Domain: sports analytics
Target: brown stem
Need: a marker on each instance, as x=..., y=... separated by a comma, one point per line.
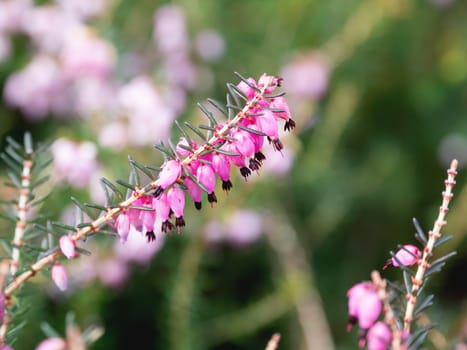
x=112, y=213
x=433, y=236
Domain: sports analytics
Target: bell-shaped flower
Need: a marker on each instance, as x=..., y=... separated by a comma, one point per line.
x=282, y=111
x=364, y=305
x=162, y=206
x=221, y=165
x=206, y=176
x=170, y=172
x=406, y=256
x=270, y=82
x=267, y=123
x=67, y=246
x=59, y=276
x=194, y=190
x=379, y=336
x=122, y=224
x=244, y=143
x=176, y=197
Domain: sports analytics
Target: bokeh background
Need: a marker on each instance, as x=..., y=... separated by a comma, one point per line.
x=379, y=93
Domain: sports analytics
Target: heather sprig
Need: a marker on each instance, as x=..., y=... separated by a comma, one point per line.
x=395, y=331
x=252, y=113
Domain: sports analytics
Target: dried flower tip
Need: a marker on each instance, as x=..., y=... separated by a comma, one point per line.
x=260, y=157
x=151, y=236
x=60, y=277
x=406, y=256
x=67, y=246
x=226, y=185
x=245, y=172
x=289, y=125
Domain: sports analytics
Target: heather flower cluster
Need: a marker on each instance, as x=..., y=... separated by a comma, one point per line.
x=195, y=168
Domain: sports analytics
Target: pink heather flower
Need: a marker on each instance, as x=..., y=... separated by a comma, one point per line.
x=247, y=89
x=170, y=172
x=162, y=206
x=84, y=9
x=272, y=82
x=244, y=143
x=2, y=307
x=5, y=47
x=122, y=223
x=407, y=256
x=176, y=197
x=279, y=163
x=195, y=191
x=59, y=276
x=52, y=344
x=6, y=347
x=67, y=246
x=11, y=14
x=364, y=305
x=113, y=135
x=206, y=176
x=183, y=151
x=267, y=122
x=379, y=336
x=170, y=33
x=221, y=165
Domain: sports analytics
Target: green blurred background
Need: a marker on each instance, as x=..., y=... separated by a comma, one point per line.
x=370, y=153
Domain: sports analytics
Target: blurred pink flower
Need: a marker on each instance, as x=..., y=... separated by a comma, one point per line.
x=67, y=246
x=149, y=117
x=113, y=272
x=306, y=76
x=169, y=29
x=11, y=14
x=214, y=231
x=137, y=249
x=93, y=95
x=49, y=27
x=244, y=227
x=278, y=163
x=379, y=336
x=52, y=344
x=84, y=9
x=364, y=305
x=114, y=136
x=74, y=162
x=59, y=276
x=209, y=45
x=37, y=89
x=84, y=53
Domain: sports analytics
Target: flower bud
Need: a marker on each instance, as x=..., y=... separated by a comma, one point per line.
x=379, y=336
x=406, y=256
x=364, y=305
x=59, y=276
x=122, y=224
x=67, y=246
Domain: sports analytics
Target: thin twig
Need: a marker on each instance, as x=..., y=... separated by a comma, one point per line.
x=389, y=316
x=434, y=235
x=112, y=213
x=22, y=211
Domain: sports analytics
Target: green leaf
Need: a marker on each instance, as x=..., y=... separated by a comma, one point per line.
x=166, y=151
x=10, y=163
x=14, y=155
x=442, y=240
x=219, y=106
x=407, y=281
x=49, y=331
x=12, y=142
x=28, y=144
x=208, y=114
x=253, y=131
x=112, y=187
x=144, y=169
x=247, y=82
x=420, y=234
x=39, y=182
x=125, y=184
x=183, y=132
x=424, y=304
x=81, y=206
x=62, y=225
x=195, y=130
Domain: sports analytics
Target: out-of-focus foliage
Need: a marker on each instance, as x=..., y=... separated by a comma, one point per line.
x=379, y=92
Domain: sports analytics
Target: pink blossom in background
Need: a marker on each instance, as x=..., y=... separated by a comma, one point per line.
x=244, y=227
x=214, y=231
x=52, y=344
x=149, y=118
x=113, y=272
x=180, y=71
x=306, y=76
x=59, y=276
x=84, y=53
x=11, y=14
x=74, y=162
x=379, y=336
x=93, y=95
x=209, y=45
x=169, y=30
x=37, y=89
x=84, y=9
x=41, y=23
x=113, y=135
x=278, y=163
x=137, y=248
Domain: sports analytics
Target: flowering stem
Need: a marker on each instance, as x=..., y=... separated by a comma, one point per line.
x=22, y=209
x=137, y=194
x=433, y=236
x=389, y=316
x=273, y=343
